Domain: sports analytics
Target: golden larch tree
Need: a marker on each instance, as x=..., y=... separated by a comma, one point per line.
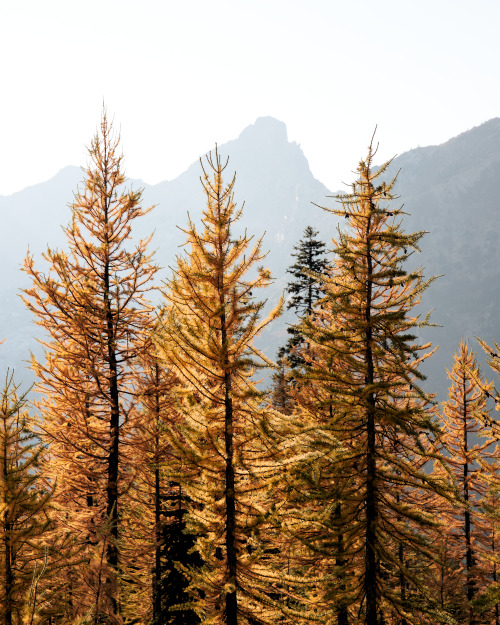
x=92, y=306
x=209, y=321
x=465, y=419
x=360, y=383
x=489, y=602
x=24, y=506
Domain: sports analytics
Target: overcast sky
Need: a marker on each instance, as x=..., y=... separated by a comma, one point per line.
x=180, y=75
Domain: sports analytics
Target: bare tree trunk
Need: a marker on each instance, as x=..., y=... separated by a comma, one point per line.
x=8, y=575
x=157, y=504
x=469, y=556
x=371, y=573
x=342, y=615
x=231, y=598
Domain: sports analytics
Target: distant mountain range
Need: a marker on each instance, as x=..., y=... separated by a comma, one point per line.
x=449, y=190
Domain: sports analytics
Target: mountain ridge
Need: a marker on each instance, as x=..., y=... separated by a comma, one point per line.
x=438, y=185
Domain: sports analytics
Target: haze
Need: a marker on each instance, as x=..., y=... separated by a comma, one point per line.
x=178, y=77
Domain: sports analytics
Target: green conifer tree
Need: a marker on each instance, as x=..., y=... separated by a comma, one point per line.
x=305, y=289
x=177, y=555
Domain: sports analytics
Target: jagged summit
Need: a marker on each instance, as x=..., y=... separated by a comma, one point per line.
x=268, y=128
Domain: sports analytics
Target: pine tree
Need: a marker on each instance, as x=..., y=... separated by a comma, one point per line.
x=362, y=386
x=209, y=320
x=306, y=289
x=177, y=555
x=92, y=305
x=24, y=503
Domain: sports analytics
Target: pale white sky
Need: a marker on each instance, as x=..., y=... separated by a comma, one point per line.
x=180, y=75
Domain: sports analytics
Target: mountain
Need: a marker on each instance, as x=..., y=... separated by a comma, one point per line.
x=451, y=191
x=273, y=180
x=448, y=190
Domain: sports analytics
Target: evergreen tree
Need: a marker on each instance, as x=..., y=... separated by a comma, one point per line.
x=209, y=320
x=176, y=556
x=305, y=289
x=281, y=394
x=92, y=305
x=361, y=377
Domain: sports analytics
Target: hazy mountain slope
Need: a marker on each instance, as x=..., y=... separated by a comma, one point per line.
x=449, y=191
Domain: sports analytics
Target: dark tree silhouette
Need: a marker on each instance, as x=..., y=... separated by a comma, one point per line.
x=305, y=289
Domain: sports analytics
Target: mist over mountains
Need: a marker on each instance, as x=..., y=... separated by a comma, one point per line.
x=448, y=190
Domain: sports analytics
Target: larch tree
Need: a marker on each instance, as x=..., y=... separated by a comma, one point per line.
x=487, y=605
x=24, y=505
x=209, y=321
x=92, y=306
x=489, y=601
x=465, y=420
x=159, y=545
x=362, y=382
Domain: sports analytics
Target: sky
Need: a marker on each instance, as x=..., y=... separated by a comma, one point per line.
x=178, y=76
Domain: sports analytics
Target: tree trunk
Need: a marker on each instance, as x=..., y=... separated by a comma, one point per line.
x=157, y=504
x=371, y=522
x=231, y=599
x=402, y=580
x=494, y=577
x=469, y=556
x=113, y=460
x=114, y=425
x=371, y=581
x=342, y=615
x=9, y=575
x=8, y=572
x=231, y=603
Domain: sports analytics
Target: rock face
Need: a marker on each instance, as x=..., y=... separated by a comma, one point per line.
x=448, y=191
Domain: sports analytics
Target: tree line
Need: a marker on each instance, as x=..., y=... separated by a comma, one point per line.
x=154, y=481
